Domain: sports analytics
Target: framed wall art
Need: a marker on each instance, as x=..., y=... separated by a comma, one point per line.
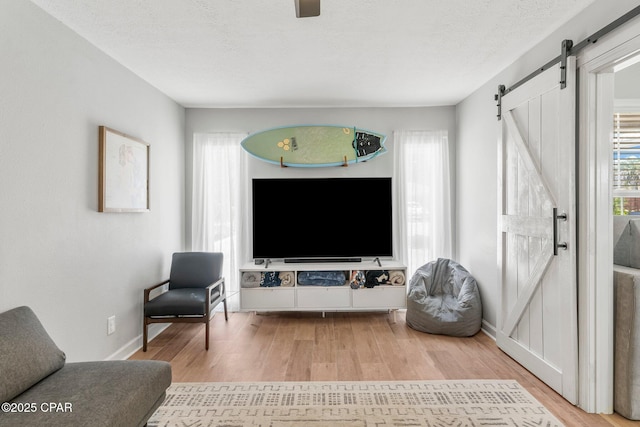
x=123, y=172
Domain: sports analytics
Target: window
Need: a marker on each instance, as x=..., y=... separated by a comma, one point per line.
x=424, y=196
x=216, y=220
x=626, y=163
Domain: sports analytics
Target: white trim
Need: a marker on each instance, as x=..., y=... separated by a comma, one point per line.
x=626, y=105
x=488, y=329
x=625, y=193
x=614, y=46
x=595, y=258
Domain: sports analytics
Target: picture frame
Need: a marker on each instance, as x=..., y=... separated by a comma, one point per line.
x=123, y=183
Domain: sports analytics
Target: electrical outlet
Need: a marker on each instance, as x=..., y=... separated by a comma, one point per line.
x=111, y=325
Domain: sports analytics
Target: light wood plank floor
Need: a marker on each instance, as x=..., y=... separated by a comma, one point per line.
x=344, y=347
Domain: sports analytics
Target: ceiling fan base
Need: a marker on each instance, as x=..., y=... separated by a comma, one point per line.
x=307, y=8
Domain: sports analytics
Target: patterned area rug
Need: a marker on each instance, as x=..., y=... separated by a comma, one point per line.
x=358, y=404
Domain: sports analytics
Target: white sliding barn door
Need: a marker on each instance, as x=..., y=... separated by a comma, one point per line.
x=537, y=317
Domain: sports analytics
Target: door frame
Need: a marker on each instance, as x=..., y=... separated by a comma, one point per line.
x=596, y=65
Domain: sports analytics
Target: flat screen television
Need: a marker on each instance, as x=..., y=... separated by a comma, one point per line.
x=300, y=219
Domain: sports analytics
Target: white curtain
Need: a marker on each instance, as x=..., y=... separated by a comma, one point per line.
x=218, y=186
x=422, y=177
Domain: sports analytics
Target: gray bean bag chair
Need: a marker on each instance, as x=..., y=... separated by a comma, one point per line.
x=444, y=299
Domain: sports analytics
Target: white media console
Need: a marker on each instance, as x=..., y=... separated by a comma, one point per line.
x=296, y=297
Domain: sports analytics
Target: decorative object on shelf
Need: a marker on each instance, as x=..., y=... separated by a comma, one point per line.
x=123, y=177
x=376, y=278
x=321, y=278
x=251, y=279
x=270, y=279
x=314, y=146
x=287, y=278
x=357, y=279
x=397, y=277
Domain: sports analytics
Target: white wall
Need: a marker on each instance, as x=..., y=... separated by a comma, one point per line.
x=384, y=120
x=627, y=83
x=477, y=159
x=73, y=265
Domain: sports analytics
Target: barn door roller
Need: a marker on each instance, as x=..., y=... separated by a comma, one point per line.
x=566, y=52
x=568, y=49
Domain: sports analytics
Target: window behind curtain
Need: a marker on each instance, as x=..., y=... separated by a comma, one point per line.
x=216, y=203
x=626, y=163
x=422, y=177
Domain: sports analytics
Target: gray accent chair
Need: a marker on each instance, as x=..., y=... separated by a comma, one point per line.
x=194, y=288
x=34, y=375
x=444, y=299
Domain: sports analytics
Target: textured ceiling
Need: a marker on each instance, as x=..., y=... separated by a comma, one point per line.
x=256, y=53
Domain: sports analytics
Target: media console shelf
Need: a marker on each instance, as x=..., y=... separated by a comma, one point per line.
x=293, y=296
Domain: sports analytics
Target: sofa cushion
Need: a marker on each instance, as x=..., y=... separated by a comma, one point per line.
x=626, y=241
x=107, y=394
x=27, y=352
x=627, y=342
x=178, y=302
x=620, y=224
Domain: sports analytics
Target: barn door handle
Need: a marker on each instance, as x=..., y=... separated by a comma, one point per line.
x=556, y=218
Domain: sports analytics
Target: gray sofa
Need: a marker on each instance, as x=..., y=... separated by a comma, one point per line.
x=626, y=258
x=37, y=387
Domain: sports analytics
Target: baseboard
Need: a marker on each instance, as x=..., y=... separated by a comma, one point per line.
x=488, y=329
x=135, y=344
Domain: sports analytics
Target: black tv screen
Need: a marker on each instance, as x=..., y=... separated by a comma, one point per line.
x=322, y=218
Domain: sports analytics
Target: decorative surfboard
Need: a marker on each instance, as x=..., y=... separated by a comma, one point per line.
x=315, y=146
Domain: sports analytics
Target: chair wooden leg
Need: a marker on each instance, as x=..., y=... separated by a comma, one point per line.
x=144, y=334
x=206, y=335
x=226, y=316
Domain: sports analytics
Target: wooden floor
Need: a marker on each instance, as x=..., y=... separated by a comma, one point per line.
x=344, y=347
